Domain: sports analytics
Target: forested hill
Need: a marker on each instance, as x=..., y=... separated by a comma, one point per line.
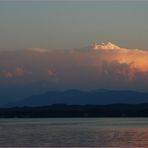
x=62, y=110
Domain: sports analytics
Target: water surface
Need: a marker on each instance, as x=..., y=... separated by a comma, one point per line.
x=90, y=132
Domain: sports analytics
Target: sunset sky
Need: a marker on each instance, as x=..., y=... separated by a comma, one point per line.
x=72, y=45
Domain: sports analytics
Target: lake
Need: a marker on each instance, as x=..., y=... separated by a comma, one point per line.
x=76, y=132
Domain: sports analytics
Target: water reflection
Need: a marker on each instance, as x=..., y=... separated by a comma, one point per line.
x=74, y=132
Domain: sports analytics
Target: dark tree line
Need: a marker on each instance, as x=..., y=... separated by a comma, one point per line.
x=61, y=110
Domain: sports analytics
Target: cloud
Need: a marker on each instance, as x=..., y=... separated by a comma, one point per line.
x=14, y=73
x=108, y=46
x=8, y=75
x=39, y=50
x=135, y=59
x=96, y=66
x=19, y=72
x=50, y=73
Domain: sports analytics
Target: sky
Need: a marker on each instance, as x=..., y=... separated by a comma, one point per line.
x=60, y=45
x=66, y=24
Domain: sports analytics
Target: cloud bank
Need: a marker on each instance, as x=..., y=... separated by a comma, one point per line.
x=104, y=65
x=136, y=60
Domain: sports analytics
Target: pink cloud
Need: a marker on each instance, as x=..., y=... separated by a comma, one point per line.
x=8, y=75
x=39, y=50
x=50, y=73
x=19, y=72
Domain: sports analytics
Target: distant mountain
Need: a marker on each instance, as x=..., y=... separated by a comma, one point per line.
x=77, y=97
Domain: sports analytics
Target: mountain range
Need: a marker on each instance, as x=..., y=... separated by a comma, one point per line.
x=78, y=97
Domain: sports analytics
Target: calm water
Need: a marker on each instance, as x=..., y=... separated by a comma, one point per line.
x=74, y=132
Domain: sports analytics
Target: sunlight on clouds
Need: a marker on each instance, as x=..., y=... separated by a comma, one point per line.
x=136, y=59
x=39, y=50
x=17, y=72
x=98, y=65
